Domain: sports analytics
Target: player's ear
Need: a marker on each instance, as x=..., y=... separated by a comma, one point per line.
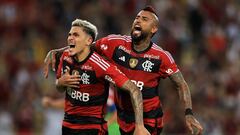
x=89, y=40
x=154, y=29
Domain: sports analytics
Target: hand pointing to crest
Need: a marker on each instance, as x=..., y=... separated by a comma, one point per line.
x=68, y=80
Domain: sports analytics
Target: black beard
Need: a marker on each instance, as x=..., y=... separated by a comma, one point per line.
x=136, y=39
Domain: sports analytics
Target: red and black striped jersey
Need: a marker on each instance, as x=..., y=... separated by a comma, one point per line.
x=144, y=68
x=87, y=104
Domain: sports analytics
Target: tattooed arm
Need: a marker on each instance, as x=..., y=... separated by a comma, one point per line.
x=137, y=102
x=183, y=90
x=185, y=96
x=52, y=58
x=136, y=98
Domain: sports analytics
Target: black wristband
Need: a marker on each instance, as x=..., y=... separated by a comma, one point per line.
x=188, y=111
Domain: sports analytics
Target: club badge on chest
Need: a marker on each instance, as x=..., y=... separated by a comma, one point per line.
x=133, y=62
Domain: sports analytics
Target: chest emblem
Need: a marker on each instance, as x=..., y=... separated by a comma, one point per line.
x=147, y=66
x=133, y=62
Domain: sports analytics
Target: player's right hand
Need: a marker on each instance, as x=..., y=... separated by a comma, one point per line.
x=193, y=125
x=69, y=80
x=51, y=59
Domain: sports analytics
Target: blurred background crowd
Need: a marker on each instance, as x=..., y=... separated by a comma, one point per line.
x=202, y=35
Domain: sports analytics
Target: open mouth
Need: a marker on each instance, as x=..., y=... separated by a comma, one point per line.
x=72, y=46
x=138, y=28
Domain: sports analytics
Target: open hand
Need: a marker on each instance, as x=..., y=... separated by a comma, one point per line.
x=69, y=80
x=51, y=59
x=193, y=125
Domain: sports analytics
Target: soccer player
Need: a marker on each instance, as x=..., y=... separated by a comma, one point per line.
x=82, y=75
x=145, y=63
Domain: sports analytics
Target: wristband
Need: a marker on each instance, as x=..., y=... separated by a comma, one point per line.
x=188, y=111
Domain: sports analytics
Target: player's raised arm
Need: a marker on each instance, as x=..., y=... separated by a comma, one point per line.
x=185, y=97
x=52, y=58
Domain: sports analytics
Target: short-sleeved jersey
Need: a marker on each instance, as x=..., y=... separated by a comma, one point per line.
x=87, y=105
x=144, y=68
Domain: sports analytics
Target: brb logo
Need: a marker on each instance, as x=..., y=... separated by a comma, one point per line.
x=139, y=84
x=77, y=95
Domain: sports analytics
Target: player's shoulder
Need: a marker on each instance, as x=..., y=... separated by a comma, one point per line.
x=119, y=37
x=98, y=61
x=160, y=51
x=66, y=52
x=66, y=56
x=156, y=48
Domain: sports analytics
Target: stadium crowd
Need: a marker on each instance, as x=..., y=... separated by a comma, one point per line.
x=202, y=35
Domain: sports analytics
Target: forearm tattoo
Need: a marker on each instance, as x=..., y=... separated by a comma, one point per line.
x=183, y=89
x=137, y=101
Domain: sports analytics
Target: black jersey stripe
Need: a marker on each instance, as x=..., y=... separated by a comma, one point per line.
x=76, y=119
x=129, y=117
x=144, y=64
x=147, y=92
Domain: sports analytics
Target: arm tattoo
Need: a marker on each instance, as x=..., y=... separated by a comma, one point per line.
x=137, y=101
x=183, y=90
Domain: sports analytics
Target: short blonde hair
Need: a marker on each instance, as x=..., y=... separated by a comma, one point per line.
x=88, y=27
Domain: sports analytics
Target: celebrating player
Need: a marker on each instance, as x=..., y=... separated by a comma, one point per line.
x=145, y=63
x=82, y=75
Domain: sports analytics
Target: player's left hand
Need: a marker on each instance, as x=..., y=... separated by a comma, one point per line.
x=193, y=125
x=50, y=59
x=46, y=101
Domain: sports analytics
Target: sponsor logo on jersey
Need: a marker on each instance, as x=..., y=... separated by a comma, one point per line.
x=151, y=56
x=123, y=58
x=124, y=49
x=86, y=67
x=133, y=62
x=77, y=95
x=109, y=79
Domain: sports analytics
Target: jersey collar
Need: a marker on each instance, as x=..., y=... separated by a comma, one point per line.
x=82, y=62
x=143, y=51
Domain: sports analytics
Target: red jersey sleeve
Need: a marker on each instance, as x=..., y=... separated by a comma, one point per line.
x=168, y=65
x=101, y=45
x=64, y=55
x=115, y=76
x=59, y=69
x=108, y=70
x=106, y=46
